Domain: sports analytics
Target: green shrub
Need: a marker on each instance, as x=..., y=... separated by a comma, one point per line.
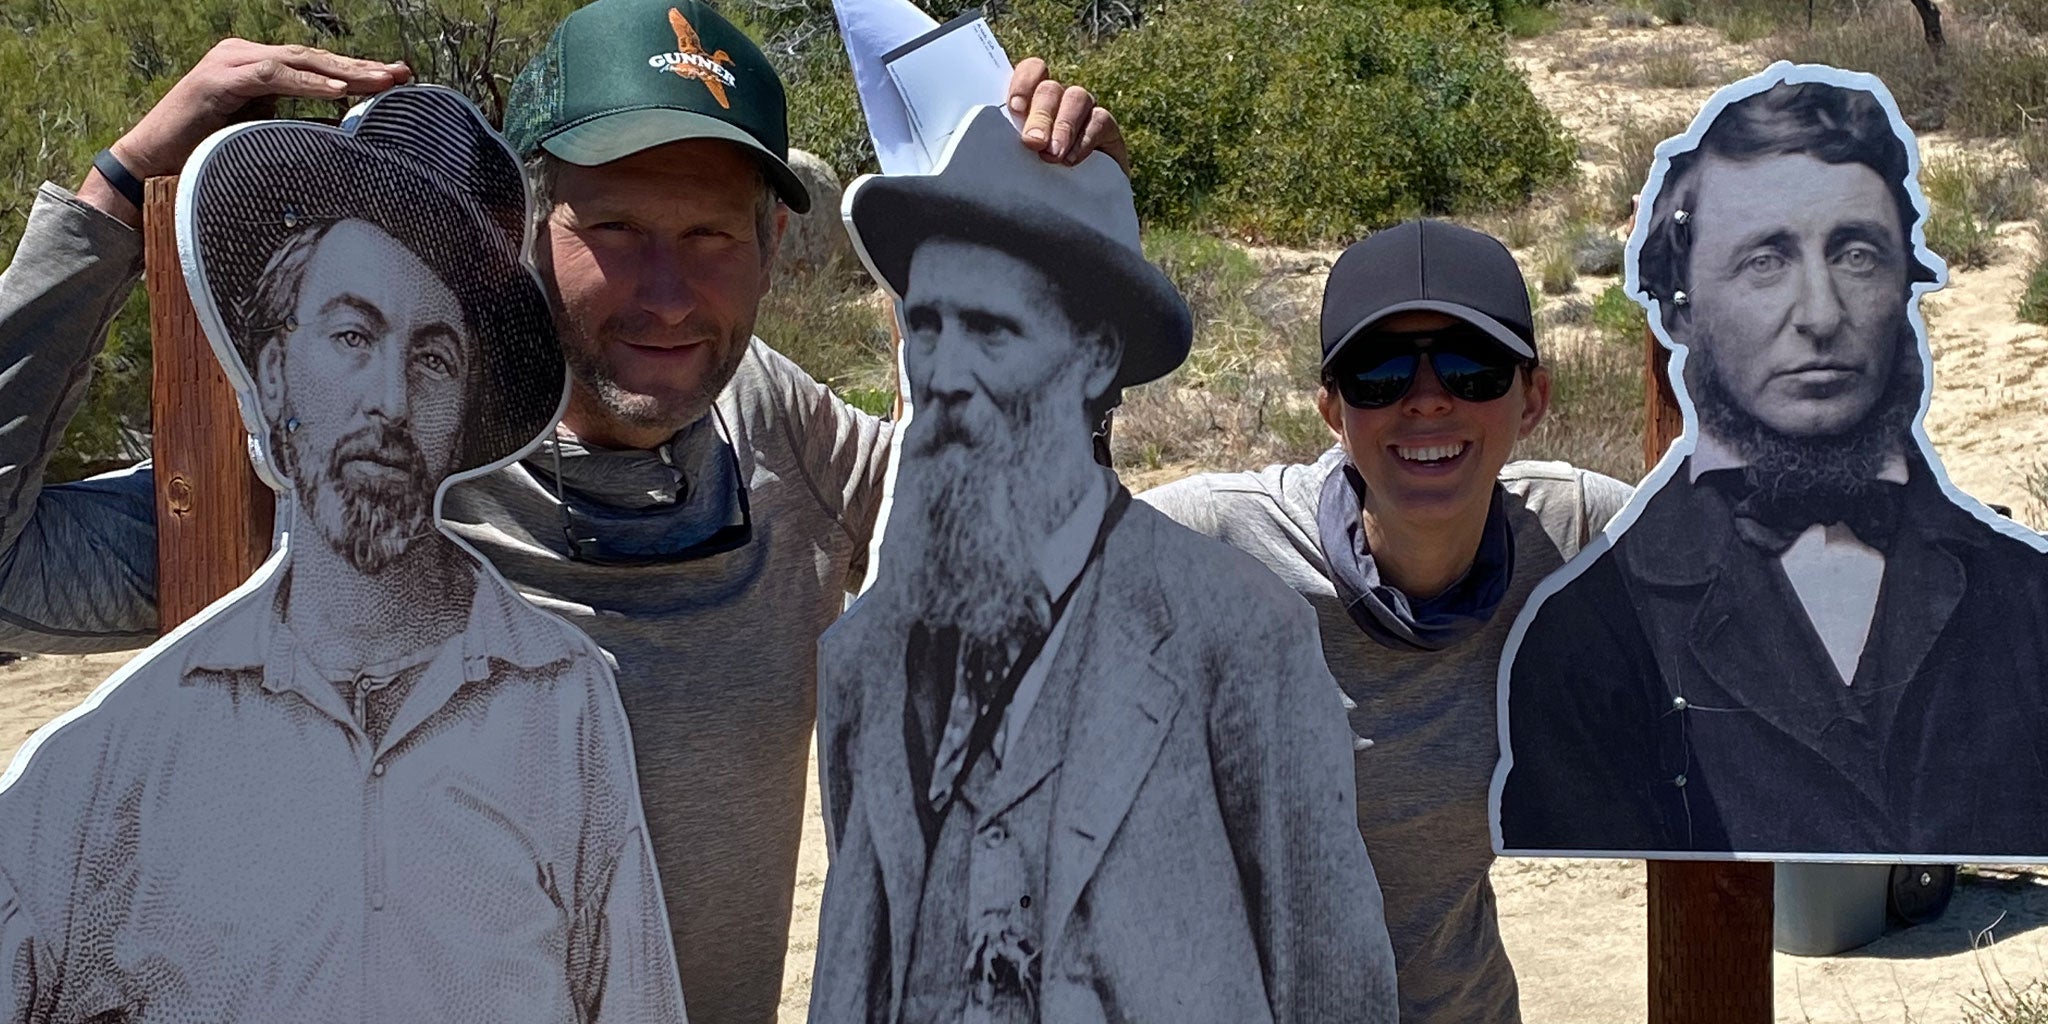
x=1618, y=318
x=1529, y=22
x=2034, y=298
x=1316, y=123
x=824, y=111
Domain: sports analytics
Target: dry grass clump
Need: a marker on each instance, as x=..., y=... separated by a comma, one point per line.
x=2008, y=1004
x=1635, y=148
x=1991, y=78
x=1968, y=197
x=2037, y=492
x=1595, y=357
x=1245, y=396
x=1671, y=67
x=840, y=336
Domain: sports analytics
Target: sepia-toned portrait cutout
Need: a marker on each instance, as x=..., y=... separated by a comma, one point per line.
x=373, y=782
x=1799, y=640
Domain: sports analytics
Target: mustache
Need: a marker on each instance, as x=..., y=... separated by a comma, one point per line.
x=383, y=444
x=643, y=328
x=946, y=429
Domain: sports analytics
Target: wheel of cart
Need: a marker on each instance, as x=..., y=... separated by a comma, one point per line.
x=1920, y=892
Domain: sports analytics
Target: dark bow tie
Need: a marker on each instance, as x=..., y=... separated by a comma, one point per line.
x=1773, y=520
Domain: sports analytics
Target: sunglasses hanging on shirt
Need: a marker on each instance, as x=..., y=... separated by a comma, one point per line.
x=713, y=519
x=1378, y=371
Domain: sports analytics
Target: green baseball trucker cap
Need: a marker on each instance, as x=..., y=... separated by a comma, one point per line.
x=621, y=76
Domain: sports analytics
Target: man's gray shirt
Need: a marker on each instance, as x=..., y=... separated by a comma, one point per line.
x=1430, y=715
x=717, y=657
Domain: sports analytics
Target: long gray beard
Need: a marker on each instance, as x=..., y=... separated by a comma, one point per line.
x=967, y=525
x=1845, y=464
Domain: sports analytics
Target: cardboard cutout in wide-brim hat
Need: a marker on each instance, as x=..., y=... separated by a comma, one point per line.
x=420, y=164
x=1078, y=225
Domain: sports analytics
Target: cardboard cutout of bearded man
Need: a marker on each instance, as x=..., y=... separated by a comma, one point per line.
x=372, y=783
x=1799, y=640
x=1079, y=763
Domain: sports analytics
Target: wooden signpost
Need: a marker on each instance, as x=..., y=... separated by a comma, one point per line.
x=1709, y=921
x=213, y=516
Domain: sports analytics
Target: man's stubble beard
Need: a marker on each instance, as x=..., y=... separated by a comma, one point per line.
x=593, y=371
x=970, y=519
x=1843, y=464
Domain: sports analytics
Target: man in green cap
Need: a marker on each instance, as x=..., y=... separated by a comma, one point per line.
x=703, y=507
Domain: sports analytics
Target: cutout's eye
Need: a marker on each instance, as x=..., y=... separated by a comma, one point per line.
x=352, y=338
x=921, y=320
x=1764, y=263
x=1859, y=259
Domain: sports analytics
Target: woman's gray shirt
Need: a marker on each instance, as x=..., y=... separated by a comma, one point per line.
x=1422, y=784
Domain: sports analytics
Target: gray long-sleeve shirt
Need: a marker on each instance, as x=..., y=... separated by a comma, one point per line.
x=1431, y=715
x=717, y=658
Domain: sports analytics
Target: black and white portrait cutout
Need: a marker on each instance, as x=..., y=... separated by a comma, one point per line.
x=1800, y=640
x=1079, y=763
x=372, y=783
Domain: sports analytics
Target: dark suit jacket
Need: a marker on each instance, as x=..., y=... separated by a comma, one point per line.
x=1675, y=697
x=1203, y=857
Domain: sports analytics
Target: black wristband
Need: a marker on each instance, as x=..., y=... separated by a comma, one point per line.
x=118, y=175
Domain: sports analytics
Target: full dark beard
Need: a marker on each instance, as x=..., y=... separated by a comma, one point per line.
x=372, y=521
x=1837, y=465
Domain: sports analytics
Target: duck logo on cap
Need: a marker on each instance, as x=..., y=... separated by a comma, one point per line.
x=690, y=61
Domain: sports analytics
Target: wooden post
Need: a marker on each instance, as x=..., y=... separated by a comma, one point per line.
x=213, y=516
x=1709, y=921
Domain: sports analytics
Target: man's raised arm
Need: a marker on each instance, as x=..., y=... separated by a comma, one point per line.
x=78, y=561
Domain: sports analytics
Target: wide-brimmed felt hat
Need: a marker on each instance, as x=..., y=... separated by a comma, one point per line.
x=1077, y=225
x=422, y=165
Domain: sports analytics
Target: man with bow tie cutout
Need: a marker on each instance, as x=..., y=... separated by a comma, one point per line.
x=1079, y=763
x=1804, y=639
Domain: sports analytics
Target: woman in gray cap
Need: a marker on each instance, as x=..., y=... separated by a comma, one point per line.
x=1417, y=541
